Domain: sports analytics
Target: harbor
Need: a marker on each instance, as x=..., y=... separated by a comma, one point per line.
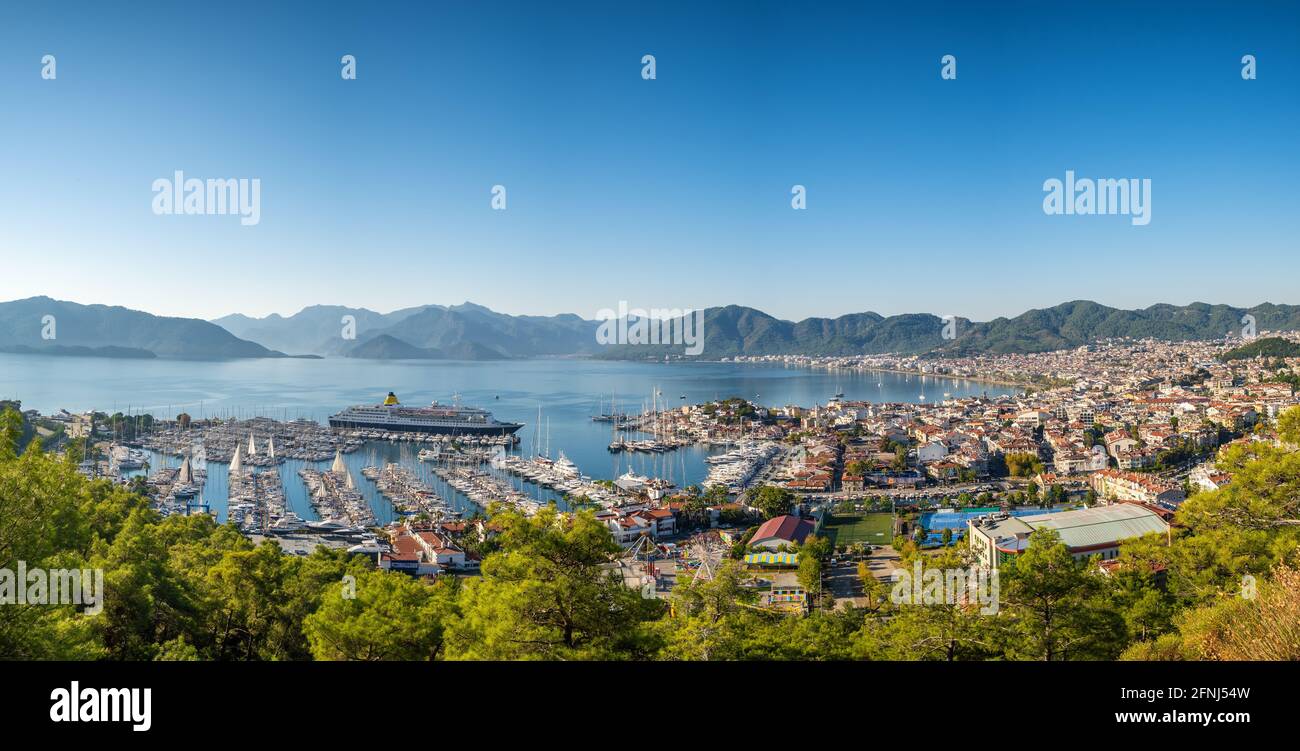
x=559, y=454
x=263, y=441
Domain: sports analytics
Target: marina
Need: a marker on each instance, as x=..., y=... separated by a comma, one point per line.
x=483, y=489
x=561, y=475
x=408, y=494
x=263, y=441
x=335, y=497
x=299, y=443
x=737, y=467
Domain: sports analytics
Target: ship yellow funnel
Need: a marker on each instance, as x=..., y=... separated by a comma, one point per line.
x=390, y=399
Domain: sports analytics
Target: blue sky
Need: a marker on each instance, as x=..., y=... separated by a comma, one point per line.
x=923, y=194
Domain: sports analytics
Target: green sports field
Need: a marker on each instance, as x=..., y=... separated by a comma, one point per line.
x=846, y=529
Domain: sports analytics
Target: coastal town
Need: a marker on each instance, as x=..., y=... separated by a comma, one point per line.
x=1110, y=438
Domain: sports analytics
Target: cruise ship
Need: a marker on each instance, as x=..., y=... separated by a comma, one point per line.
x=438, y=419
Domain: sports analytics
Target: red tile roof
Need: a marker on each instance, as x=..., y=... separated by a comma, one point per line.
x=789, y=528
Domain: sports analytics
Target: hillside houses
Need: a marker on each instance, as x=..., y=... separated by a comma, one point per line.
x=422, y=552
x=1131, y=486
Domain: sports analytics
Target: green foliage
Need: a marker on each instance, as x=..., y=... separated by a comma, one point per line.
x=949, y=631
x=1023, y=465
x=1246, y=625
x=1059, y=608
x=1288, y=426
x=772, y=501
x=811, y=553
x=11, y=432
x=550, y=595
x=186, y=588
x=1271, y=346
x=380, y=616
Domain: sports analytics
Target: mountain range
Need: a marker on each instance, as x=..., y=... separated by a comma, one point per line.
x=736, y=330
x=42, y=325
x=461, y=332
x=473, y=332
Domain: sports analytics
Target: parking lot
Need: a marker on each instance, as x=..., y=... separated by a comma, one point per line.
x=841, y=579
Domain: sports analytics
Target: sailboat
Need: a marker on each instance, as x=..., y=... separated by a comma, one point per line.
x=252, y=447
x=270, y=447
x=186, y=474
x=236, y=462
x=616, y=443
x=537, y=432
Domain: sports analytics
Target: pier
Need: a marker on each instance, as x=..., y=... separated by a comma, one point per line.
x=335, y=497
x=263, y=442
x=408, y=494
x=483, y=489
x=561, y=476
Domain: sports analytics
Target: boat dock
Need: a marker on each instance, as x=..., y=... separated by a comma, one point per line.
x=256, y=501
x=561, y=476
x=483, y=489
x=335, y=497
x=408, y=494
x=263, y=442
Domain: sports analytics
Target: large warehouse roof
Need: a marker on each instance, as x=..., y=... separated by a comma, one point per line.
x=1100, y=525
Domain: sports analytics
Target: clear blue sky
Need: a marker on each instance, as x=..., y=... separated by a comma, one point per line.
x=923, y=194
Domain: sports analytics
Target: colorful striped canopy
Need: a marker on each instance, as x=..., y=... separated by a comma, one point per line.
x=772, y=559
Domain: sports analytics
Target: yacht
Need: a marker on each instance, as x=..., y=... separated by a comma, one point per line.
x=565, y=466
x=327, y=525
x=289, y=522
